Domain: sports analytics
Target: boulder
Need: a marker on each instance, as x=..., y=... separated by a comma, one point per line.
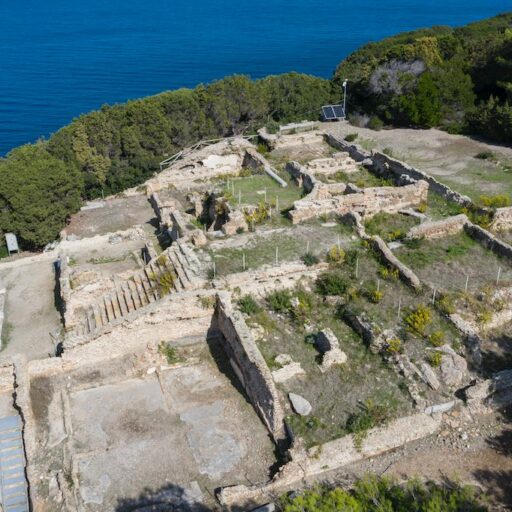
x=300, y=404
x=333, y=357
x=287, y=372
x=454, y=368
x=429, y=377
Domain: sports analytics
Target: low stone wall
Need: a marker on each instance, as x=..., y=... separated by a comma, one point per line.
x=248, y=364
x=441, y=228
x=304, y=467
x=300, y=174
x=502, y=219
x=2, y=305
x=406, y=274
x=355, y=151
x=385, y=164
x=254, y=160
x=367, y=202
x=488, y=240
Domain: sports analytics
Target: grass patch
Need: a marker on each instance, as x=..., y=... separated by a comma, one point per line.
x=390, y=227
x=7, y=329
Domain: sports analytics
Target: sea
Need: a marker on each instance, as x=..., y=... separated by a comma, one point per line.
x=62, y=58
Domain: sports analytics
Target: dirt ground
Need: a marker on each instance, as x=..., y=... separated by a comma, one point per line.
x=30, y=313
x=118, y=214
x=450, y=158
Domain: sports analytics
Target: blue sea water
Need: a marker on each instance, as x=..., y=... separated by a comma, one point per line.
x=61, y=58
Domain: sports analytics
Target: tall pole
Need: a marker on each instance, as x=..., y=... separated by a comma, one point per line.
x=345, y=99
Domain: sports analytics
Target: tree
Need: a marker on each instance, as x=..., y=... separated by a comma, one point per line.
x=38, y=192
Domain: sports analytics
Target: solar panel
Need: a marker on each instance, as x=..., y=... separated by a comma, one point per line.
x=332, y=112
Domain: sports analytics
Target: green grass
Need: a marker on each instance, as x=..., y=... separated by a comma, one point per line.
x=390, y=227
x=445, y=263
x=6, y=333
x=4, y=253
x=439, y=208
x=252, y=191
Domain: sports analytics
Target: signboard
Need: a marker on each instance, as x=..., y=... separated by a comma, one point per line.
x=12, y=242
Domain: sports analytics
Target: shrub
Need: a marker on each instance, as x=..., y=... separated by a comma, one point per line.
x=497, y=201
x=418, y=319
x=394, y=346
x=437, y=338
x=336, y=255
x=446, y=304
x=388, y=151
x=375, y=123
x=310, y=259
x=248, y=305
x=280, y=301
x=375, y=296
x=351, y=137
x=435, y=358
x=378, y=494
x=485, y=155
x=370, y=415
x=331, y=283
x=390, y=274
x=484, y=316
x=422, y=208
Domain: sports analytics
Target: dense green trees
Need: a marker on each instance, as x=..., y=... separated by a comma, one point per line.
x=37, y=193
x=120, y=146
x=459, y=79
x=383, y=495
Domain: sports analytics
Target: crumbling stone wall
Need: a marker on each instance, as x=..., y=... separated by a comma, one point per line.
x=441, y=228
x=305, y=466
x=254, y=160
x=488, y=240
x=366, y=202
x=385, y=164
x=248, y=364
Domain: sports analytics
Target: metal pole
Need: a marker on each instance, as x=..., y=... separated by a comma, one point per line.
x=498, y=277
x=345, y=98
x=434, y=296
x=357, y=268
x=467, y=282
x=307, y=247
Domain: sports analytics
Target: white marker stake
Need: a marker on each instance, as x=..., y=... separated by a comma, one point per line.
x=277, y=255
x=434, y=296
x=467, y=282
x=357, y=268
x=339, y=243
x=378, y=284
x=277, y=204
x=307, y=248
x=498, y=277
x=399, y=307
x=243, y=261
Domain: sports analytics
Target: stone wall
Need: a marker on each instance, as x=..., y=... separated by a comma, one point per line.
x=306, y=466
x=502, y=219
x=367, y=202
x=385, y=164
x=441, y=228
x=248, y=364
x=254, y=160
x=488, y=240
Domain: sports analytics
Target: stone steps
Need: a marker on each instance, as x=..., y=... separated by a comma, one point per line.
x=178, y=263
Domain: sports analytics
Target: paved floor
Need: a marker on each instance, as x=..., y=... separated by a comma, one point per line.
x=187, y=428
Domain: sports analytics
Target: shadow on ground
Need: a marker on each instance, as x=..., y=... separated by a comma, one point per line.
x=169, y=498
x=499, y=482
